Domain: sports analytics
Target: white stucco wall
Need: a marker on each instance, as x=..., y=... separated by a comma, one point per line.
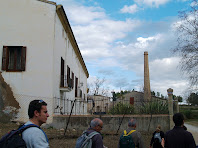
x=29, y=23
x=36, y=25
x=63, y=48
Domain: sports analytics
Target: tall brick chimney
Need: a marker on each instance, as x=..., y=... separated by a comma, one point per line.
x=147, y=90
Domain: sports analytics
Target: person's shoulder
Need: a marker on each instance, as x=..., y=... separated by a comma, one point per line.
x=161, y=132
x=137, y=133
x=187, y=133
x=169, y=132
x=33, y=130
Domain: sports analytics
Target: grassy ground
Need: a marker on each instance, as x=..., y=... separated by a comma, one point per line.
x=56, y=138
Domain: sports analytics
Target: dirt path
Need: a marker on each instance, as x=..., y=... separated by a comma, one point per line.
x=194, y=130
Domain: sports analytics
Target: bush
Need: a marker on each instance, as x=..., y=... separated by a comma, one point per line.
x=188, y=114
x=155, y=107
x=122, y=109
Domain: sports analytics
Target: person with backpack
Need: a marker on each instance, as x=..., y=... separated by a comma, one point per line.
x=157, y=140
x=35, y=137
x=131, y=138
x=91, y=138
x=178, y=137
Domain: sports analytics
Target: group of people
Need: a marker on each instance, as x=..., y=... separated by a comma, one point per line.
x=178, y=137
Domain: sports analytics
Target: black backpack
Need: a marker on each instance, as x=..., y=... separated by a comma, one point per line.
x=13, y=139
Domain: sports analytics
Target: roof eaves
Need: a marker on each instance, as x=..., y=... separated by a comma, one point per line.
x=49, y=2
x=64, y=20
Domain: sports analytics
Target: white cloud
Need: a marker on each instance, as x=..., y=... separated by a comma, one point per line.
x=102, y=42
x=179, y=87
x=152, y=3
x=129, y=9
x=165, y=68
x=87, y=14
x=95, y=39
x=193, y=4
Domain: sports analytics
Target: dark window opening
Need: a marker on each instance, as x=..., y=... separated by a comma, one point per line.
x=62, y=72
x=76, y=87
x=14, y=58
x=72, y=80
x=132, y=100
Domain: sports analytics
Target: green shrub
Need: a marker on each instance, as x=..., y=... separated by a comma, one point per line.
x=122, y=109
x=188, y=114
x=155, y=107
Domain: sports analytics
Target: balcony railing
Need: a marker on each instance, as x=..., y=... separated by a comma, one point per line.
x=65, y=85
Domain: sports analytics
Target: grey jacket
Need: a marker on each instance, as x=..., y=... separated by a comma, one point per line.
x=137, y=138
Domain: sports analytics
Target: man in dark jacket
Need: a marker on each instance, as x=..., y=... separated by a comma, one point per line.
x=178, y=137
x=97, y=140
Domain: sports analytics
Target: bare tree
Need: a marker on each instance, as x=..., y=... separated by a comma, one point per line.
x=97, y=87
x=105, y=91
x=187, y=47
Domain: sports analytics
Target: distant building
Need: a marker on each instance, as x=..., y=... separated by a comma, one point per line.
x=137, y=98
x=97, y=104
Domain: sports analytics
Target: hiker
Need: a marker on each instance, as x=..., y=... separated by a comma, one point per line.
x=157, y=139
x=130, y=137
x=178, y=137
x=33, y=136
x=92, y=133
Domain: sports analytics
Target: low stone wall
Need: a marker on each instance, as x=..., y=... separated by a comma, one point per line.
x=111, y=122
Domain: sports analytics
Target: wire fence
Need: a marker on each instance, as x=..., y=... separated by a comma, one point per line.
x=105, y=105
x=96, y=105
x=63, y=106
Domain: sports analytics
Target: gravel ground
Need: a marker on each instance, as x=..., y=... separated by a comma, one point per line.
x=194, y=130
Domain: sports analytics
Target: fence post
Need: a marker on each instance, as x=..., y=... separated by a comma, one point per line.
x=177, y=105
x=69, y=117
x=170, y=106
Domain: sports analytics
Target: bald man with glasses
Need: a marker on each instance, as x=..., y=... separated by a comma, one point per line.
x=97, y=140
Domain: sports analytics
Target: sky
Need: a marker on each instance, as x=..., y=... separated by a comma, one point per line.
x=112, y=36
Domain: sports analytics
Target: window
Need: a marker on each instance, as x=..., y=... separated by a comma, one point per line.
x=132, y=100
x=76, y=86
x=62, y=72
x=68, y=74
x=72, y=80
x=14, y=58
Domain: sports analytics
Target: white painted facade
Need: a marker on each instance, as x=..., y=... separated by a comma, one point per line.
x=42, y=28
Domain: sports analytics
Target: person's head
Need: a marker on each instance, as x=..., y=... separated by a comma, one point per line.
x=158, y=128
x=132, y=123
x=178, y=119
x=96, y=124
x=37, y=111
